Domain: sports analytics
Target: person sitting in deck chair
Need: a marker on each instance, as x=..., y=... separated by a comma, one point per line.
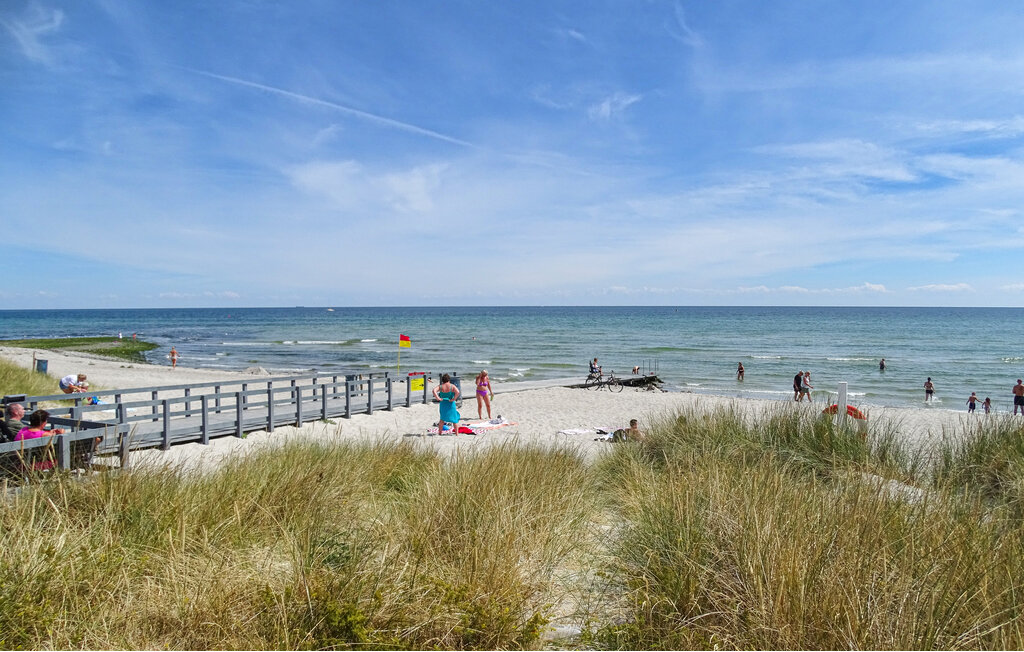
x=595, y=369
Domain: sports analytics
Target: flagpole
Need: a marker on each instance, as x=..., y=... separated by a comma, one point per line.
x=399, y=372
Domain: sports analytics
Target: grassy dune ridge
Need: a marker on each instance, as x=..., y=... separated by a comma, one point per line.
x=111, y=347
x=777, y=532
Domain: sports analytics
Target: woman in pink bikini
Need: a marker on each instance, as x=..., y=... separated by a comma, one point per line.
x=484, y=394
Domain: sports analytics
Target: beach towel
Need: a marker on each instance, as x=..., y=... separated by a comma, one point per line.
x=584, y=431
x=463, y=430
x=492, y=424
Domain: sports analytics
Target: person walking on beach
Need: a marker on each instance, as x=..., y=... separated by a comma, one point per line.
x=739, y=371
x=929, y=389
x=972, y=402
x=447, y=393
x=806, y=388
x=798, y=381
x=174, y=358
x=484, y=394
x=1018, y=397
x=881, y=364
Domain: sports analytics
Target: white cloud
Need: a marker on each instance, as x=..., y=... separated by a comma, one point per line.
x=682, y=31
x=848, y=157
x=29, y=30
x=612, y=106
x=942, y=287
x=1013, y=287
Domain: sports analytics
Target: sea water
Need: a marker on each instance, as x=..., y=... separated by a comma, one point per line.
x=691, y=348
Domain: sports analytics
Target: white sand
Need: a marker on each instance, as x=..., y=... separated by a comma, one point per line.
x=538, y=413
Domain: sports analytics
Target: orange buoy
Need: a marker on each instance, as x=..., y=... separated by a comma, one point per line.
x=850, y=411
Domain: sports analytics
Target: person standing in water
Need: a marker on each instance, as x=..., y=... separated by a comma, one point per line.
x=1018, y=396
x=972, y=402
x=929, y=389
x=739, y=371
x=881, y=364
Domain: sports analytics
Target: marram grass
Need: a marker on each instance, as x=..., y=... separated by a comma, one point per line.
x=719, y=531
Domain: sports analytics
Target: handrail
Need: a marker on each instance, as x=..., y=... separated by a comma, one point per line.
x=164, y=420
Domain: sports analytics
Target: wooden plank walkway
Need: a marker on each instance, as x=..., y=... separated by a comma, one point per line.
x=149, y=417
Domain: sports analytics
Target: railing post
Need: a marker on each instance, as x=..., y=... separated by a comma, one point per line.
x=216, y=390
x=334, y=387
x=348, y=397
x=323, y=402
x=245, y=399
x=205, y=437
x=408, y=391
x=64, y=452
x=188, y=404
x=122, y=413
x=298, y=407
x=167, y=425
x=238, y=414
x=270, y=407
x=156, y=410
x=425, y=384
x=391, y=394
x=369, y=395
x=123, y=448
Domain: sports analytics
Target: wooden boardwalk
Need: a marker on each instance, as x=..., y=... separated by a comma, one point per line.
x=151, y=417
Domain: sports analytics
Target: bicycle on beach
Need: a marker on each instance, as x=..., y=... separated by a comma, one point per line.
x=598, y=381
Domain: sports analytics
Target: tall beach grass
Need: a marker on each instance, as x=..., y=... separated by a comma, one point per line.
x=780, y=531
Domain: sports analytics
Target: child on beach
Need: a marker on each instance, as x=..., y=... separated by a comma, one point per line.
x=972, y=401
x=987, y=405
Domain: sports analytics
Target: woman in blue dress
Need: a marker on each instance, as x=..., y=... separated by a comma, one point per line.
x=447, y=393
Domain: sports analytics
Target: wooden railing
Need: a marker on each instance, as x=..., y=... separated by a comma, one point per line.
x=145, y=417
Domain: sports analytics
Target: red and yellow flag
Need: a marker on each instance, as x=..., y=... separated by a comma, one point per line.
x=404, y=341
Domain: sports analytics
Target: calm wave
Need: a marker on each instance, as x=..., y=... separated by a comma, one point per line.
x=691, y=348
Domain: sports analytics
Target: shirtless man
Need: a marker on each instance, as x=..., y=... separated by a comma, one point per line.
x=1018, y=397
x=798, y=381
x=929, y=389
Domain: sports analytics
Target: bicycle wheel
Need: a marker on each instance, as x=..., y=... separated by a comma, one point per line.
x=592, y=382
x=615, y=385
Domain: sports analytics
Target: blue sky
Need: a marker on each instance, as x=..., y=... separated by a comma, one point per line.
x=251, y=153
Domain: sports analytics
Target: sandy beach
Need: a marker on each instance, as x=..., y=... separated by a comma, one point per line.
x=545, y=416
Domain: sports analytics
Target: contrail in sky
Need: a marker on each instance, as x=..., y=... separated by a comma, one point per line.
x=386, y=122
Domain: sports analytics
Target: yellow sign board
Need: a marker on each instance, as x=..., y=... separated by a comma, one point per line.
x=416, y=384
